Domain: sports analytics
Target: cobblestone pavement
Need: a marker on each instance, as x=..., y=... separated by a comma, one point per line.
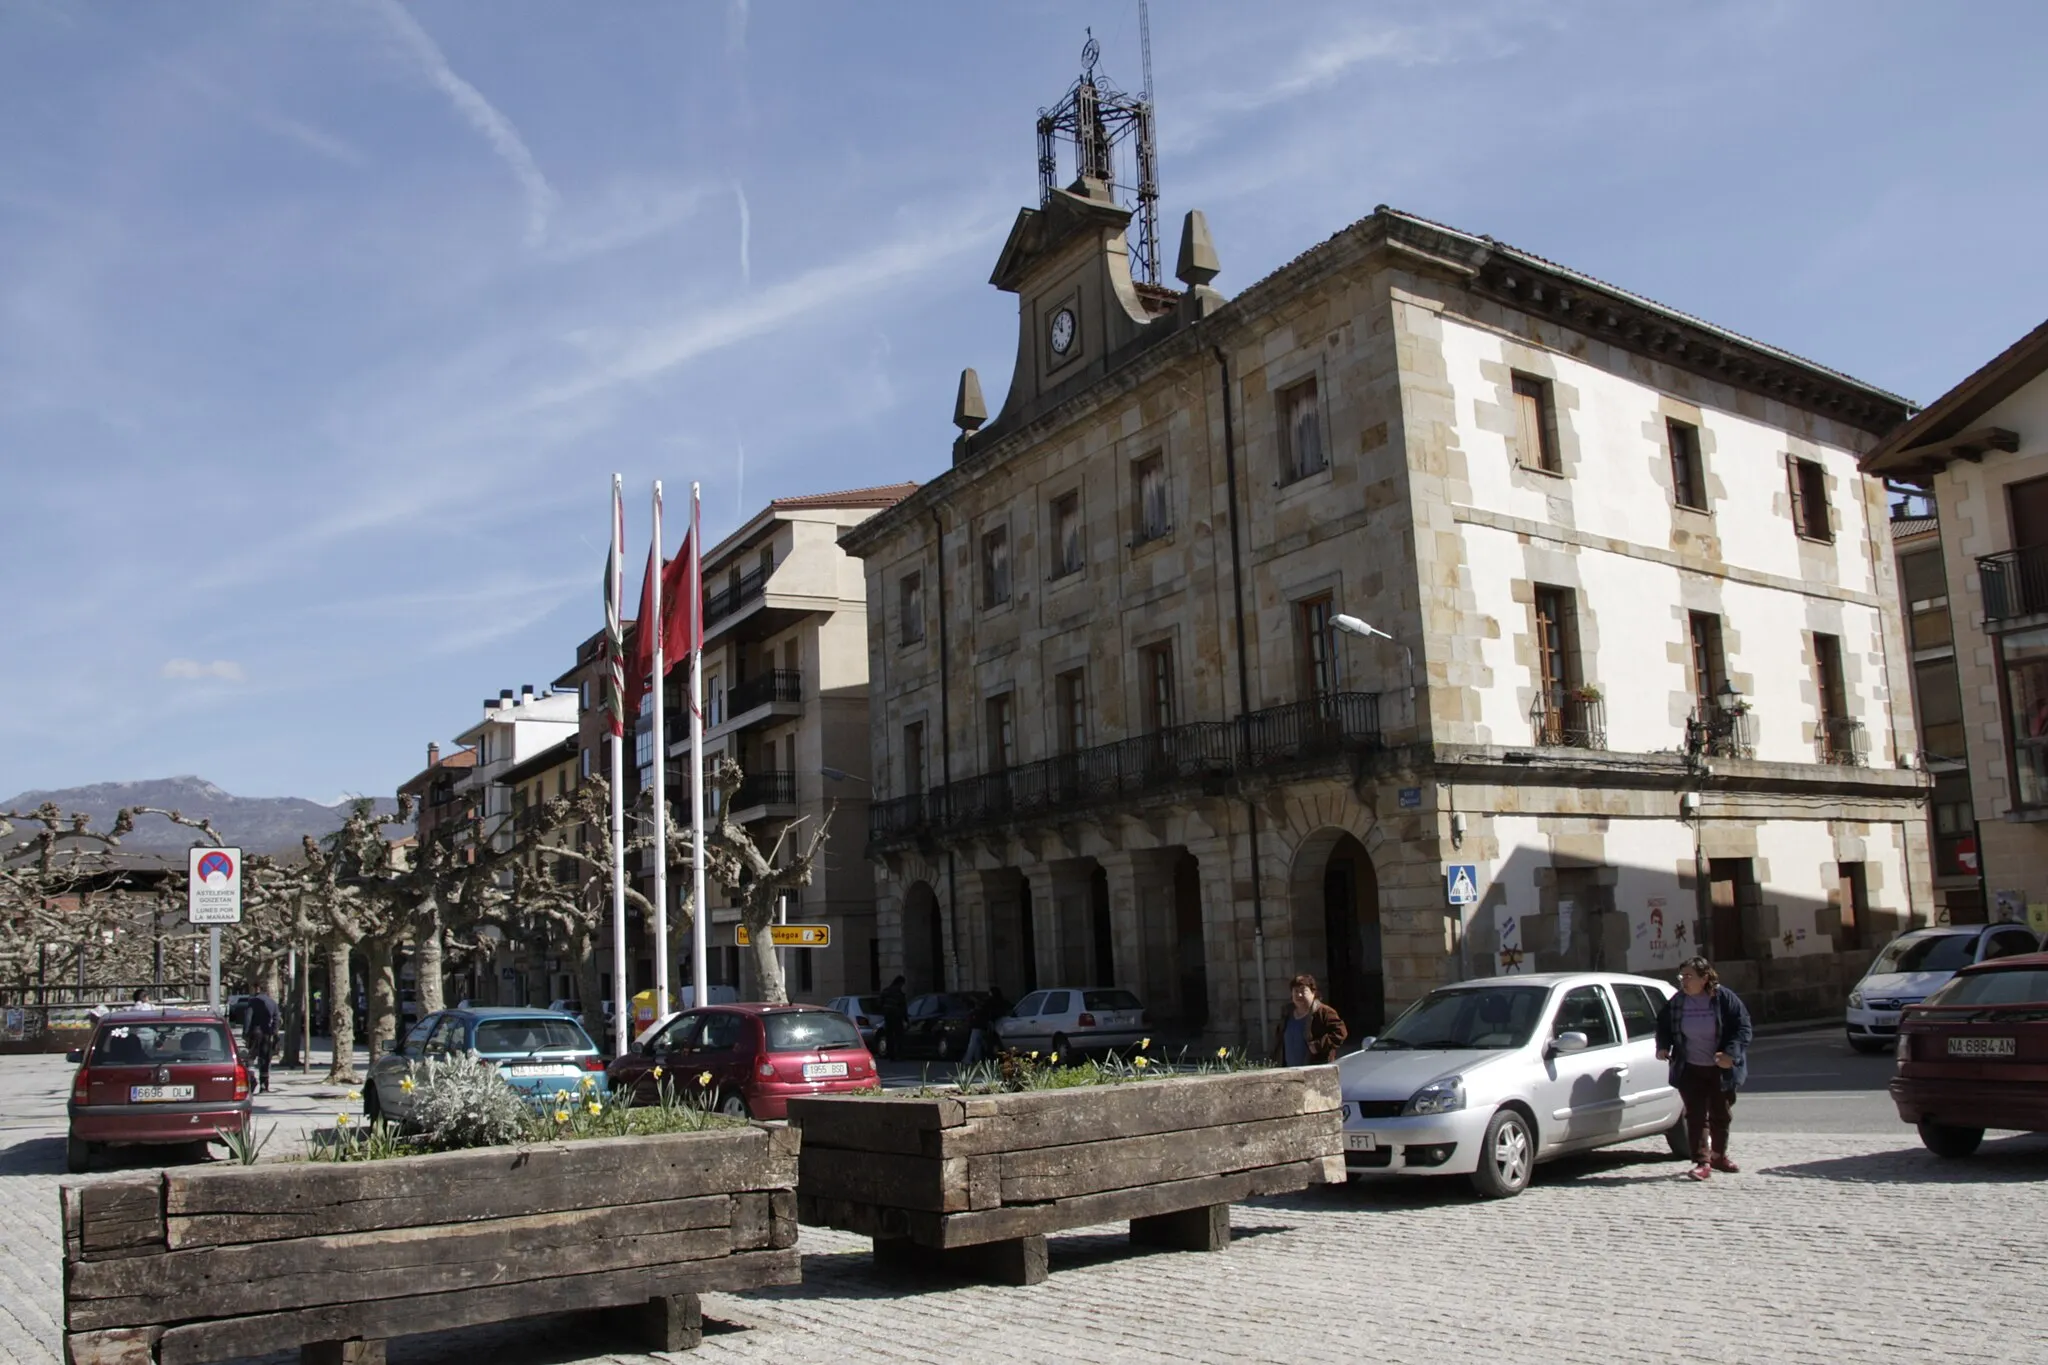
x=1828, y=1247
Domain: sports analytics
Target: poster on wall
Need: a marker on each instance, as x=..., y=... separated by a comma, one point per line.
x=2009, y=907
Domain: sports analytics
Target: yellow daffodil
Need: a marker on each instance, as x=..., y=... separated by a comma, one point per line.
x=341, y=1120
x=1054, y=1058
x=1034, y=1056
x=590, y=1082
x=561, y=1116
x=657, y=1073
x=595, y=1109
x=354, y=1096
x=407, y=1085
x=1144, y=1043
x=1141, y=1063
x=703, y=1078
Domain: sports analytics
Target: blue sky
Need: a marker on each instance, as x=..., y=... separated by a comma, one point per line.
x=323, y=327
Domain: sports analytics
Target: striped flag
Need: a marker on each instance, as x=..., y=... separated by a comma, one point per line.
x=614, y=629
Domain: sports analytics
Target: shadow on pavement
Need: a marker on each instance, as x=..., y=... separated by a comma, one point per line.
x=2021, y=1159
x=35, y=1156
x=553, y=1340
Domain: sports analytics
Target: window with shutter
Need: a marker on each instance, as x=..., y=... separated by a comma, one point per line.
x=1809, y=485
x=1536, y=425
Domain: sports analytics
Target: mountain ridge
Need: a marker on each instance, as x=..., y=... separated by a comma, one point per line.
x=256, y=824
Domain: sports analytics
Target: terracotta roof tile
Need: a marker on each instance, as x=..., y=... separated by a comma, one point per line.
x=883, y=495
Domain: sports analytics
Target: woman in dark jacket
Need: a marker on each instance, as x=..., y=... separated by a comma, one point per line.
x=1311, y=1032
x=1704, y=1033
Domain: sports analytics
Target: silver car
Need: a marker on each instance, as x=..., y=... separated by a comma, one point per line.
x=1487, y=1078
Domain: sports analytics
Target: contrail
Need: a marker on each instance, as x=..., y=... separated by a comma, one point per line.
x=740, y=499
x=746, y=235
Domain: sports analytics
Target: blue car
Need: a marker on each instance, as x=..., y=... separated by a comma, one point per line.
x=537, y=1051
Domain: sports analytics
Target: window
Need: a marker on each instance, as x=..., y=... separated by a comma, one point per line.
x=1057, y=1002
x=1301, y=433
x=1002, y=733
x=1557, y=664
x=1809, y=484
x=913, y=758
x=582, y=764
x=1156, y=675
x=2007, y=943
x=1066, y=534
x=1029, y=1005
x=1536, y=425
x=1150, y=518
x=1584, y=1010
x=1318, y=647
x=1071, y=694
x=767, y=561
x=1709, y=667
x=910, y=608
x=1827, y=678
x=1688, y=477
x=714, y=700
x=1640, y=1007
x=2024, y=656
x=995, y=566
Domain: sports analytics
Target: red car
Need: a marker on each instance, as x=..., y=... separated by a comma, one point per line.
x=1974, y=1055
x=156, y=1077
x=757, y=1056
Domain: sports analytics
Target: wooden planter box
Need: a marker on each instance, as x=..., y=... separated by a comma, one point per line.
x=977, y=1181
x=212, y=1263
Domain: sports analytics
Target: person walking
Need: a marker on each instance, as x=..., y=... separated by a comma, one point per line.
x=1311, y=1032
x=1704, y=1032
x=260, y=1034
x=895, y=1010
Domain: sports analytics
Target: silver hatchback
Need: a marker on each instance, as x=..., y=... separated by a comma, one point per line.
x=1487, y=1078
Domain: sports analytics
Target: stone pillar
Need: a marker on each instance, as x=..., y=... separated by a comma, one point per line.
x=1072, y=882
x=1122, y=870
x=1229, y=969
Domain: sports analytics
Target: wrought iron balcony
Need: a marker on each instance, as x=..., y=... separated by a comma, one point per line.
x=1842, y=742
x=1304, y=732
x=1578, y=722
x=765, y=788
x=1719, y=733
x=777, y=684
x=2015, y=583
x=735, y=593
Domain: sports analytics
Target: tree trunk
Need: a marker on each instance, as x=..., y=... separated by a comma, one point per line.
x=767, y=959
x=341, y=1021
x=382, y=993
x=429, y=962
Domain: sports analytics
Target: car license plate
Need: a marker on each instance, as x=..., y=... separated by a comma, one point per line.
x=1980, y=1047
x=1361, y=1142
x=819, y=1071
x=540, y=1069
x=145, y=1094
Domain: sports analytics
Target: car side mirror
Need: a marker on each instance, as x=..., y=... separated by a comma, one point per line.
x=1367, y=1041
x=75, y=1056
x=1569, y=1042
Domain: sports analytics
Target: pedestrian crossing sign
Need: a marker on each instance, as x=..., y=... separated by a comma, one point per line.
x=1461, y=883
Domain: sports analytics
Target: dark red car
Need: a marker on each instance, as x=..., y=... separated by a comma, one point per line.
x=1974, y=1055
x=158, y=1077
x=756, y=1056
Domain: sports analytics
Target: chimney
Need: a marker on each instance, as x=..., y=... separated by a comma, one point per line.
x=433, y=754
x=525, y=693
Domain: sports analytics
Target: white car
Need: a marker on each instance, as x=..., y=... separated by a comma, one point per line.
x=1071, y=1021
x=1912, y=965
x=866, y=1013
x=1487, y=1078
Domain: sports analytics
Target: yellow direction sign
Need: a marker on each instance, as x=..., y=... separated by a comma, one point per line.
x=790, y=935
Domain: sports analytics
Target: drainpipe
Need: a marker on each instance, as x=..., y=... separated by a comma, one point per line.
x=953, y=976
x=1244, y=690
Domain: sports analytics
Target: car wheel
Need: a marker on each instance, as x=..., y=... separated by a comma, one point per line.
x=1507, y=1154
x=1676, y=1138
x=1866, y=1044
x=77, y=1156
x=734, y=1105
x=373, y=1107
x=1944, y=1139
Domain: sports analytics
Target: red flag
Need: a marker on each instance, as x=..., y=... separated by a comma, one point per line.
x=682, y=605
x=640, y=658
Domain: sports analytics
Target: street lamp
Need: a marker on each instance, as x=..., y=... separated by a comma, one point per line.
x=1351, y=625
x=1727, y=699
x=839, y=775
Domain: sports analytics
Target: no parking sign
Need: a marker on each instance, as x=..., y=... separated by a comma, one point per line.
x=214, y=886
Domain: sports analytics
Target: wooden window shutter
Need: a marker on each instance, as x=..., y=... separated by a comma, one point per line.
x=1798, y=496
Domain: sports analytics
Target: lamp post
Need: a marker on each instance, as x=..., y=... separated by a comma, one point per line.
x=1351, y=625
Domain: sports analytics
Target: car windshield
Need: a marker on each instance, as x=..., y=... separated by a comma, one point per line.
x=1109, y=1000
x=495, y=1037
x=869, y=1004
x=809, y=1031
x=155, y=1044
x=1471, y=1017
x=2016, y=986
x=1934, y=953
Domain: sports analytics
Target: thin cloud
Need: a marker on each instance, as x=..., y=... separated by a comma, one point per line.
x=736, y=26
x=481, y=115
x=266, y=118
x=192, y=670
x=746, y=234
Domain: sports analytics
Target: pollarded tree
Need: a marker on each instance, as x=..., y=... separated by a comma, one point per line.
x=758, y=880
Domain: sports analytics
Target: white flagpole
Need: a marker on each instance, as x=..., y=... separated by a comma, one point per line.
x=616, y=703
x=661, y=1005
x=700, y=926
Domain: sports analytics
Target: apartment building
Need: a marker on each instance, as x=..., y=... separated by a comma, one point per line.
x=440, y=811
x=534, y=973
x=515, y=727
x=1981, y=451
x=786, y=697
x=1635, y=677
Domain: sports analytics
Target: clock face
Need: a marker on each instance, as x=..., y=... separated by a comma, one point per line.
x=1062, y=331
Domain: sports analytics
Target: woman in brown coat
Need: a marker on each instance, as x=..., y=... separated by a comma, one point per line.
x=1310, y=1033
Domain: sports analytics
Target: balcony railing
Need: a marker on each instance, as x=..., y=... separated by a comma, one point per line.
x=765, y=789
x=2015, y=583
x=1576, y=723
x=736, y=593
x=1842, y=742
x=1307, y=731
x=1721, y=734
x=778, y=684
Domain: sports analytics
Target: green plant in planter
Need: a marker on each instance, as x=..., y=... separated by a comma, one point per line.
x=1013, y=1071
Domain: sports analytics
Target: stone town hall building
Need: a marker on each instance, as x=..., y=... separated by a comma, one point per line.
x=1645, y=674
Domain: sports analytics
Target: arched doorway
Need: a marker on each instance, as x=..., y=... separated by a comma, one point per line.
x=924, y=940
x=1337, y=908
